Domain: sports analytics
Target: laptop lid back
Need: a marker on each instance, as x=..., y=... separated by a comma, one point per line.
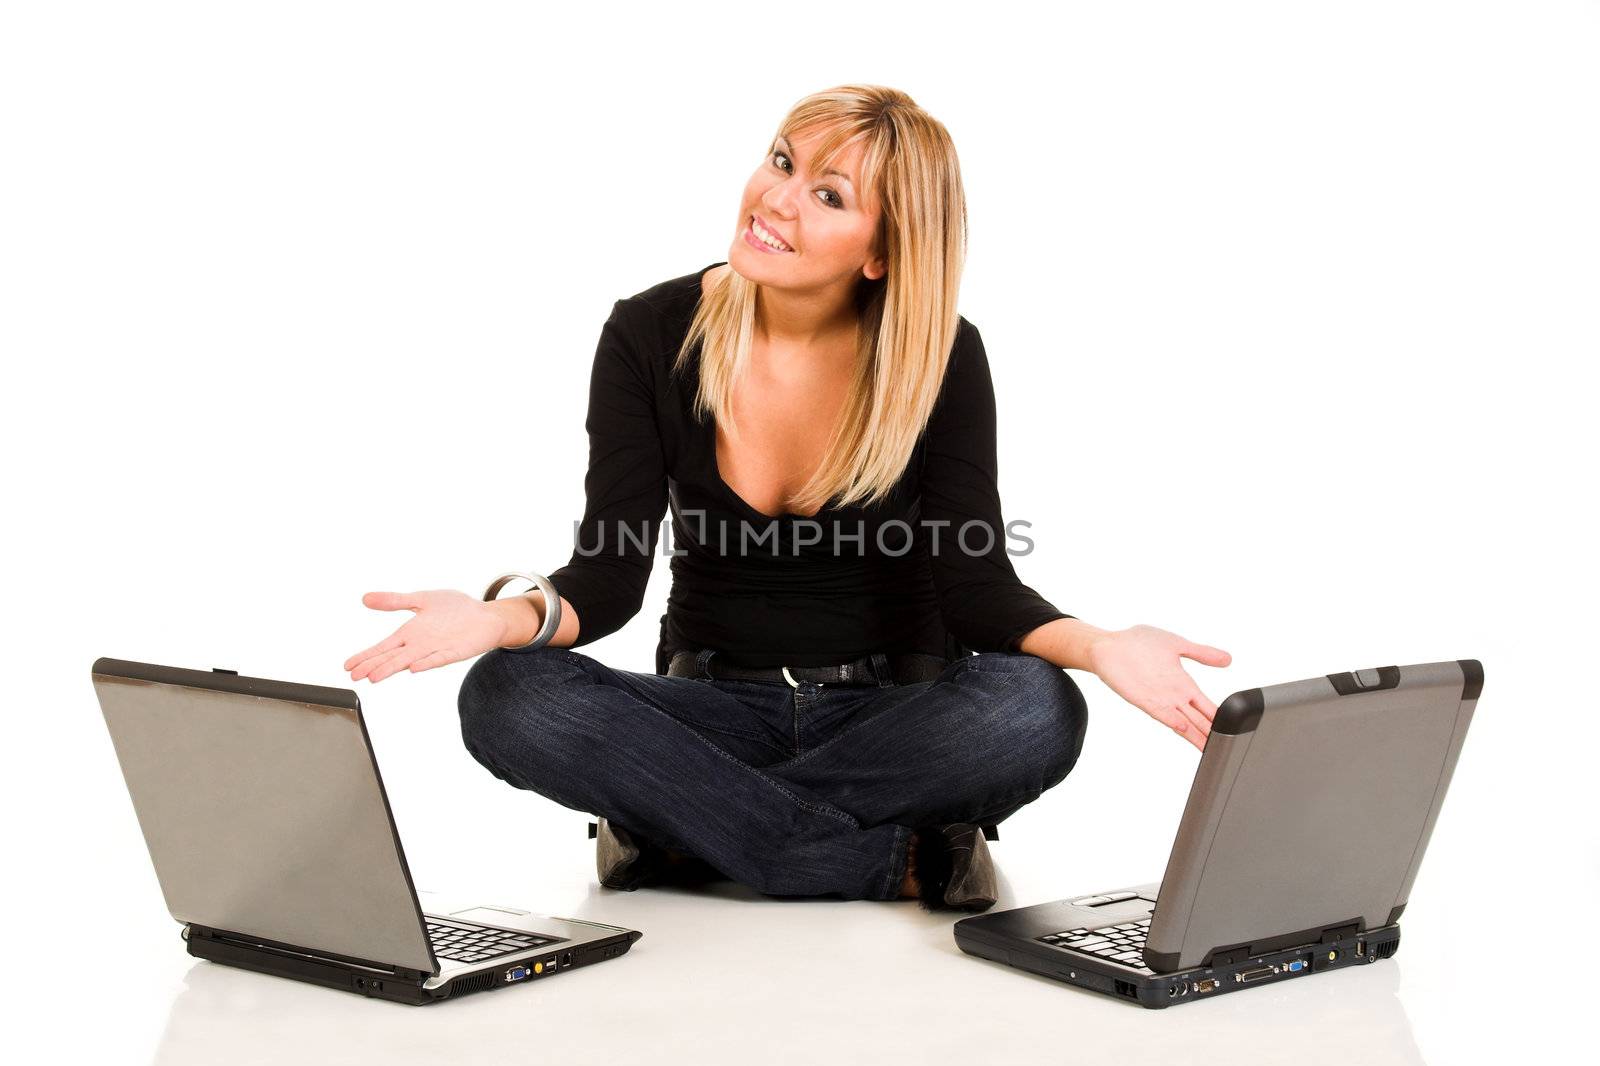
x=1310, y=810
x=262, y=807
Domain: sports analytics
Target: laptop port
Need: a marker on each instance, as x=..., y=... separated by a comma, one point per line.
x=1361, y=947
x=1246, y=976
x=517, y=973
x=1210, y=984
x=566, y=960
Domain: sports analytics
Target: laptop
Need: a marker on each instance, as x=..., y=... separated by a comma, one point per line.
x=1306, y=823
x=275, y=847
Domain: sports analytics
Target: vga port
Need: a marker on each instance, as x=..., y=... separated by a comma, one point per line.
x=517, y=973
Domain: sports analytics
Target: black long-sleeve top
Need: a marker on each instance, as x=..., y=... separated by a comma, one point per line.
x=919, y=571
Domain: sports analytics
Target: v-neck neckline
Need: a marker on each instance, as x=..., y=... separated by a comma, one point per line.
x=710, y=431
x=732, y=493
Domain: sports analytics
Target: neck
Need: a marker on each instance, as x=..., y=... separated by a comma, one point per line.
x=805, y=317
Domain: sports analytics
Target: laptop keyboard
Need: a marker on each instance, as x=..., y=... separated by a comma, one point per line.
x=465, y=942
x=1122, y=943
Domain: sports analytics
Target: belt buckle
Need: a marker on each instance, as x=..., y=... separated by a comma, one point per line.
x=787, y=676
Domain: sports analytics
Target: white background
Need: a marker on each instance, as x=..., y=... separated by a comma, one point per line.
x=1291, y=310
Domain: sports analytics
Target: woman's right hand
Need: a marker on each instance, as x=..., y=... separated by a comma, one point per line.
x=448, y=626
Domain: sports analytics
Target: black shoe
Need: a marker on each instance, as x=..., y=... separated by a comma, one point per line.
x=619, y=861
x=626, y=862
x=953, y=869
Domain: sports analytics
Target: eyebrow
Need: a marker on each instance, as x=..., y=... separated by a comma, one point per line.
x=788, y=148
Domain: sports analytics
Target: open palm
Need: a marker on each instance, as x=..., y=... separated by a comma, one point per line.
x=1141, y=664
x=448, y=626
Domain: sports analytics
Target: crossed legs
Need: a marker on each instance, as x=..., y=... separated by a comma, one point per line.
x=711, y=767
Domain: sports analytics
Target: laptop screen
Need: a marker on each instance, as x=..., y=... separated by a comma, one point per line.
x=263, y=810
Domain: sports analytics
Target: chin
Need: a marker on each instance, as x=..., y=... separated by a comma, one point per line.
x=753, y=265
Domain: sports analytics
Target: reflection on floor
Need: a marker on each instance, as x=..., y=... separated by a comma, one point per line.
x=721, y=970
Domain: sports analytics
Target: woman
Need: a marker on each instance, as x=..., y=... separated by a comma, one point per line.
x=850, y=677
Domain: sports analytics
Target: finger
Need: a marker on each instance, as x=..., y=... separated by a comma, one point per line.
x=1204, y=706
x=394, y=664
x=1205, y=653
x=364, y=666
x=1169, y=715
x=433, y=659
x=1181, y=725
x=372, y=665
x=1195, y=719
x=392, y=601
x=389, y=644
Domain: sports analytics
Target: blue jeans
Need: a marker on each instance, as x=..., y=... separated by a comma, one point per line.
x=794, y=791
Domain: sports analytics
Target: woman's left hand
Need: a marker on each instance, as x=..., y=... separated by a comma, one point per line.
x=1141, y=664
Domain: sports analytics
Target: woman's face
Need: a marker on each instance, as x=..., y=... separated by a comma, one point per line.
x=822, y=226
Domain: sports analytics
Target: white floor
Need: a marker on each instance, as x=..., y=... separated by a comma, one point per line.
x=724, y=975
x=1491, y=968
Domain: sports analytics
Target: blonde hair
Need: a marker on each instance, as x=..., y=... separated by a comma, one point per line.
x=907, y=319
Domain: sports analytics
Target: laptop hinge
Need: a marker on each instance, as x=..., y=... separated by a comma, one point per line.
x=272, y=947
x=1336, y=933
x=1317, y=934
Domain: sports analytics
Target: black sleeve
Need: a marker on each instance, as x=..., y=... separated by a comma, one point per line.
x=983, y=603
x=625, y=488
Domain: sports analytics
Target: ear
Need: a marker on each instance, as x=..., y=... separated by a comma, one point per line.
x=874, y=268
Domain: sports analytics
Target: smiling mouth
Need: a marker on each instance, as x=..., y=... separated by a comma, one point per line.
x=767, y=237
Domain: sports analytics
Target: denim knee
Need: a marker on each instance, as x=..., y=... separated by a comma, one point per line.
x=1066, y=715
x=489, y=692
x=1048, y=711
x=520, y=735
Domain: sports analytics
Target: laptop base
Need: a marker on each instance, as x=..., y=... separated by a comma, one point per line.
x=401, y=985
x=1157, y=991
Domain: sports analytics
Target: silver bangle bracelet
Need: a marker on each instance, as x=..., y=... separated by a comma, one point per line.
x=552, y=606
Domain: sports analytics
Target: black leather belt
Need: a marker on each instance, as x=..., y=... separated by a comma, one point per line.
x=877, y=669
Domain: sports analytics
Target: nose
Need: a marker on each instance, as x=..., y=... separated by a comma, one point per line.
x=778, y=201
